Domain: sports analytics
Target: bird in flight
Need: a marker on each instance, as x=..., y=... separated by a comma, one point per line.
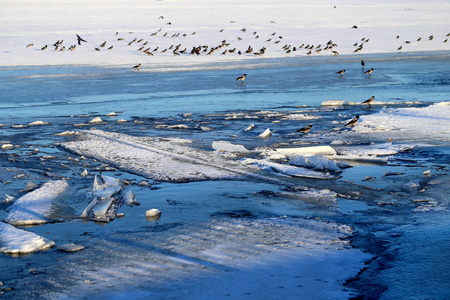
x=353, y=122
x=79, y=39
x=241, y=78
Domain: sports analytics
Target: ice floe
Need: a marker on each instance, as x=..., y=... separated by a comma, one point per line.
x=287, y=170
x=417, y=124
x=71, y=247
x=155, y=158
x=130, y=198
x=36, y=207
x=266, y=134
x=377, y=153
x=18, y=241
x=105, y=199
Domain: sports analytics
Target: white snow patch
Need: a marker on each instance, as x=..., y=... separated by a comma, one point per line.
x=321, y=150
x=228, y=147
x=316, y=162
x=36, y=206
x=18, y=241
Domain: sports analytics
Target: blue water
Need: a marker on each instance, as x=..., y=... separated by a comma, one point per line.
x=68, y=95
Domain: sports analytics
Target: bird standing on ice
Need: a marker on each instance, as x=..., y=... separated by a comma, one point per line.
x=137, y=66
x=241, y=78
x=369, y=72
x=369, y=101
x=341, y=72
x=305, y=129
x=353, y=122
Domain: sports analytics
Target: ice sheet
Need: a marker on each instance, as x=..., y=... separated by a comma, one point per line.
x=36, y=206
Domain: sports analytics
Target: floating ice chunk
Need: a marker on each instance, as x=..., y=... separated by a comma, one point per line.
x=152, y=212
x=267, y=133
x=187, y=115
x=322, y=150
x=338, y=142
x=229, y=147
x=316, y=162
x=29, y=187
x=84, y=173
x=70, y=247
x=111, y=114
x=8, y=199
x=38, y=123
x=373, y=153
x=130, y=199
x=178, y=126
x=7, y=146
x=122, y=121
x=105, y=186
x=105, y=201
x=206, y=128
x=36, y=206
x=66, y=133
x=18, y=241
x=427, y=173
x=250, y=127
x=288, y=169
x=301, y=117
x=96, y=120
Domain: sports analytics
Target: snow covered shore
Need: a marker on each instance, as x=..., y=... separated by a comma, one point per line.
x=179, y=34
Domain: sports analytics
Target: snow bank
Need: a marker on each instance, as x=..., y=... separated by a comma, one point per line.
x=18, y=241
x=36, y=206
x=419, y=124
x=268, y=30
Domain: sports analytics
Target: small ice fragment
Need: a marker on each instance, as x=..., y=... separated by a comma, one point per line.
x=96, y=120
x=153, y=214
x=38, y=123
x=142, y=183
x=130, y=199
x=29, y=187
x=229, y=147
x=84, y=173
x=121, y=121
x=178, y=126
x=66, y=133
x=338, y=142
x=187, y=115
x=322, y=150
x=120, y=215
x=206, y=128
x=267, y=133
x=8, y=199
x=70, y=247
x=427, y=173
x=111, y=114
x=7, y=146
x=250, y=127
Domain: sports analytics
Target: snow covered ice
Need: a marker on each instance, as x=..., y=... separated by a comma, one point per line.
x=174, y=180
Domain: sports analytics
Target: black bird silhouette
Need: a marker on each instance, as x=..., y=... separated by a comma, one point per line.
x=369, y=101
x=241, y=78
x=79, y=39
x=137, y=66
x=363, y=63
x=305, y=129
x=341, y=72
x=353, y=122
x=369, y=71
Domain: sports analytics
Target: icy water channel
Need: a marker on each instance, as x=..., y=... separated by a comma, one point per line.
x=399, y=216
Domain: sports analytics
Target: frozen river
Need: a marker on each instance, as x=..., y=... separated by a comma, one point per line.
x=384, y=214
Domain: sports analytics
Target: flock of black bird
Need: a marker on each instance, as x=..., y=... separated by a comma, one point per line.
x=204, y=49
